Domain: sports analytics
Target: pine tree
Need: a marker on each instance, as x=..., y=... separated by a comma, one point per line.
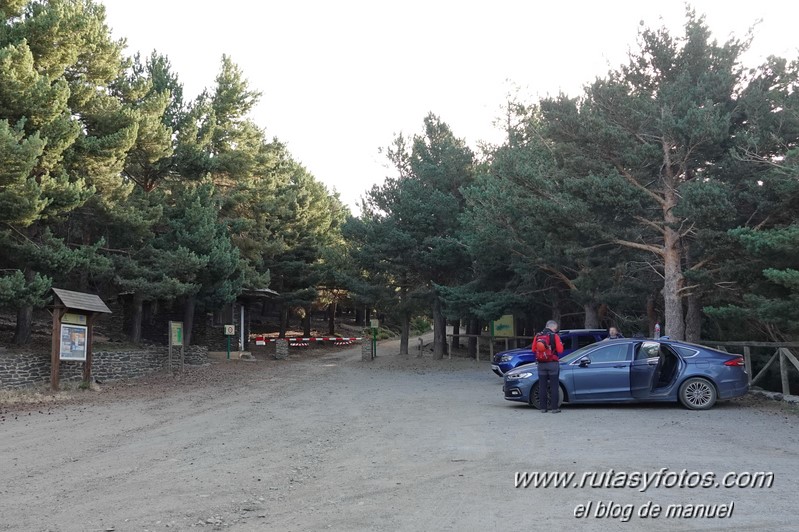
x=410, y=226
x=193, y=226
x=55, y=55
x=653, y=135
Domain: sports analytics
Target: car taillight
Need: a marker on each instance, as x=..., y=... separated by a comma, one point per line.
x=737, y=361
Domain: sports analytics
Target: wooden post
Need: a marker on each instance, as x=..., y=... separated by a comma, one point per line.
x=792, y=359
x=87, y=306
x=87, y=366
x=765, y=368
x=477, y=354
x=55, y=360
x=786, y=387
x=490, y=348
x=748, y=362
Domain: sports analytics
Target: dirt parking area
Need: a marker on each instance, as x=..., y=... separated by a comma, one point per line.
x=329, y=442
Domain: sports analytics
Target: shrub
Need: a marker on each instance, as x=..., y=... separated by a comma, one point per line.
x=420, y=325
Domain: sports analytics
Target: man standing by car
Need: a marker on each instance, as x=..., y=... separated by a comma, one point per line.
x=548, y=347
x=613, y=333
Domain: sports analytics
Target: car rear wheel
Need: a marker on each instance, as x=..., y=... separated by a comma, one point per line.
x=534, y=396
x=697, y=394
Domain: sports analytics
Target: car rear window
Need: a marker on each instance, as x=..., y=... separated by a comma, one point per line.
x=686, y=352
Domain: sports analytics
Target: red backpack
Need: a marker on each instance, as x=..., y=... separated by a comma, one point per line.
x=544, y=347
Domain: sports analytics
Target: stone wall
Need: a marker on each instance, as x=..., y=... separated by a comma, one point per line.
x=19, y=370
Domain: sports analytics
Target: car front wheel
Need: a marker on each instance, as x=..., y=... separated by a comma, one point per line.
x=697, y=394
x=534, y=396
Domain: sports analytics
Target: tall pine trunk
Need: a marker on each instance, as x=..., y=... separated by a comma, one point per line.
x=331, y=318
x=693, y=319
x=439, y=329
x=674, y=325
x=556, y=312
x=651, y=314
x=83, y=280
x=136, y=313
x=306, y=322
x=473, y=329
x=693, y=314
x=674, y=318
x=22, y=331
x=456, y=329
x=284, y=320
x=405, y=333
x=189, y=306
x=591, y=316
x=405, y=330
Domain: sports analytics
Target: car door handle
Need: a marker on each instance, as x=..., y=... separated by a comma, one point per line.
x=652, y=363
x=620, y=366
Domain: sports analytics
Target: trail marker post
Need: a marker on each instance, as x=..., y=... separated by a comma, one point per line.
x=230, y=330
x=375, y=325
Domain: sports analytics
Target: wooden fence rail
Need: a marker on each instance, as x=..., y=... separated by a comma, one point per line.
x=491, y=342
x=781, y=353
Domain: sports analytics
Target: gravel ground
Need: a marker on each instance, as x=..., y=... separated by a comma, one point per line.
x=328, y=442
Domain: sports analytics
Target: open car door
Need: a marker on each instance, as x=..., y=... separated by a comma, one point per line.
x=647, y=360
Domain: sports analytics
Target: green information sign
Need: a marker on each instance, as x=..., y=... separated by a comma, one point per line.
x=175, y=333
x=176, y=340
x=504, y=326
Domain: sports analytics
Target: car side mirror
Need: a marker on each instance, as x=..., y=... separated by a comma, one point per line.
x=585, y=362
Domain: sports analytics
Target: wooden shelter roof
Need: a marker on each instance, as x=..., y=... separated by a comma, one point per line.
x=81, y=301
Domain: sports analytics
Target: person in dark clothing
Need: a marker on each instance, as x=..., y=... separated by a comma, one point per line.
x=614, y=333
x=548, y=347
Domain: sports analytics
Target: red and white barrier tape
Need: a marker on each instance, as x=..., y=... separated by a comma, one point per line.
x=261, y=340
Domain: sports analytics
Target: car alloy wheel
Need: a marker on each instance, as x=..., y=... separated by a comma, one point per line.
x=697, y=394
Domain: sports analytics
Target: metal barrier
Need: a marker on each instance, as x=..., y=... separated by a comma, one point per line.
x=296, y=341
x=282, y=344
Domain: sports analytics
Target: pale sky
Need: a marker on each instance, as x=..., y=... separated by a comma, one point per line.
x=341, y=78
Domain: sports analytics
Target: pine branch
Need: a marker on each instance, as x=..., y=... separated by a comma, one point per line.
x=688, y=231
x=20, y=233
x=656, y=226
x=687, y=288
x=560, y=275
x=634, y=182
x=637, y=245
x=701, y=263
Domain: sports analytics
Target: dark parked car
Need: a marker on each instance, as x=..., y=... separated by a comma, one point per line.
x=631, y=370
x=572, y=339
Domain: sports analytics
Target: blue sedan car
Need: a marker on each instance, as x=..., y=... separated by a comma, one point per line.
x=572, y=339
x=631, y=370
